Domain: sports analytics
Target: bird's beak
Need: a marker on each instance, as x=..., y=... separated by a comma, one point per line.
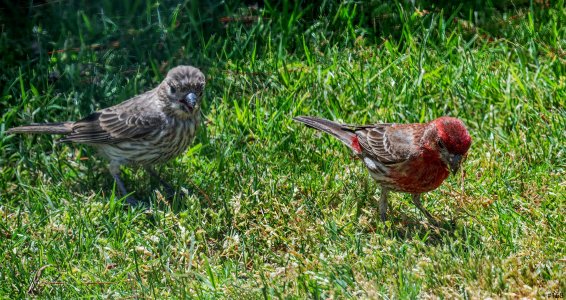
x=454, y=161
x=190, y=101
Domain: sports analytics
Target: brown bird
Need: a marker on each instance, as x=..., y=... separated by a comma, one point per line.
x=410, y=158
x=145, y=130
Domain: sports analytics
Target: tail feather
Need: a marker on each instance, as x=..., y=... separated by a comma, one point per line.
x=349, y=138
x=44, y=128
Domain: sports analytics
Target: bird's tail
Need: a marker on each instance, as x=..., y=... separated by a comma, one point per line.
x=44, y=128
x=339, y=131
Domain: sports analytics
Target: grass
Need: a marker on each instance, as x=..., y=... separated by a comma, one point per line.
x=276, y=210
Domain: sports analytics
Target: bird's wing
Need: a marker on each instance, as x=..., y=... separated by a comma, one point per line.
x=387, y=143
x=129, y=120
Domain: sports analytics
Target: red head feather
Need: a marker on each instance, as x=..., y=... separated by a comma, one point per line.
x=453, y=134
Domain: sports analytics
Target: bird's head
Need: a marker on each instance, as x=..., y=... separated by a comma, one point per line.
x=182, y=90
x=451, y=141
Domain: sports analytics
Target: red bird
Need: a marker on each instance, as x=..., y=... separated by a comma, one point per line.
x=410, y=158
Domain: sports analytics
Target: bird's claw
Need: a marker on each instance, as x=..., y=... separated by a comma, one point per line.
x=170, y=192
x=383, y=216
x=133, y=202
x=434, y=222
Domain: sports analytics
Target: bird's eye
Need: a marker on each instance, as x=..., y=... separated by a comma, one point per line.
x=172, y=90
x=440, y=145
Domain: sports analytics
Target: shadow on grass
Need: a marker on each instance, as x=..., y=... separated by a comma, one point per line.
x=430, y=234
x=405, y=227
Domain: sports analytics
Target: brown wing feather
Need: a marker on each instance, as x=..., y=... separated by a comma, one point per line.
x=375, y=140
x=126, y=121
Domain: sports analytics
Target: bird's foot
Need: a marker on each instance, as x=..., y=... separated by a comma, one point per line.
x=383, y=205
x=169, y=196
x=383, y=216
x=434, y=222
x=135, y=203
x=170, y=192
x=168, y=189
x=131, y=201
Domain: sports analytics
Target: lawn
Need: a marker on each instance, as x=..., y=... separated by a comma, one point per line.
x=268, y=208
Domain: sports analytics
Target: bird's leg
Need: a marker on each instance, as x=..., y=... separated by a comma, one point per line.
x=417, y=202
x=383, y=203
x=168, y=188
x=115, y=171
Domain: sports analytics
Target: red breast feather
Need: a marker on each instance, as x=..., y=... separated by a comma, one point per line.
x=420, y=174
